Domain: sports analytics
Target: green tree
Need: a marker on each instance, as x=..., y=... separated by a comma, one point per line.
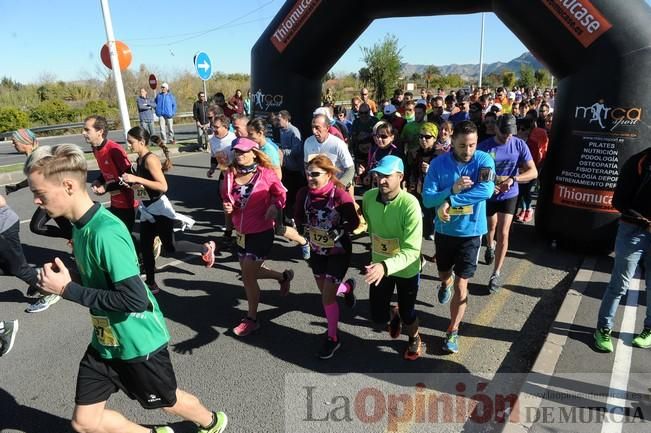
x=52, y=112
x=415, y=77
x=364, y=75
x=508, y=79
x=11, y=118
x=542, y=77
x=431, y=72
x=383, y=61
x=527, y=78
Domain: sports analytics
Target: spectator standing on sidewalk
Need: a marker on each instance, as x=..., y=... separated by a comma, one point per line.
x=633, y=243
x=166, y=110
x=146, y=107
x=200, y=116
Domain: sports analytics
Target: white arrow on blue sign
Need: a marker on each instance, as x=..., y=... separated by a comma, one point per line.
x=203, y=65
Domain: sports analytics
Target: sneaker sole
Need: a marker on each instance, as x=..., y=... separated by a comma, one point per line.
x=331, y=353
x=641, y=346
x=14, y=331
x=244, y=334
x=49, y=304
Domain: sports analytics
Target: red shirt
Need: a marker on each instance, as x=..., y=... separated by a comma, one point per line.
x=113, y=162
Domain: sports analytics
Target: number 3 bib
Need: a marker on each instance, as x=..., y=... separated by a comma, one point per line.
x=385, y=247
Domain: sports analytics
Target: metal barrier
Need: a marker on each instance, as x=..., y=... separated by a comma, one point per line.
x=37, y=129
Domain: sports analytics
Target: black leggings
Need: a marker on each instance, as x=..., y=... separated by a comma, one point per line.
x=12, y=258
x=39, y=225
x=380, y=298
x=164, y=228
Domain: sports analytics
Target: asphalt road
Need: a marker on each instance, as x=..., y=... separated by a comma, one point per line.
x=247, y=377
x=9, y=156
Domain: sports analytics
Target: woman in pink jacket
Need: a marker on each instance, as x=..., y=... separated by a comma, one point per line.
x=253, y=195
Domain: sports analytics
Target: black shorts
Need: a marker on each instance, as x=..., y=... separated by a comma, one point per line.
x=257, y=246
x=507, y=206
x=460, y=254
x=152, y=382
x=333, y=266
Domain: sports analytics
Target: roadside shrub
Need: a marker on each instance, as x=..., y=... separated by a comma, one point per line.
x=12, y=118
x=52, y=112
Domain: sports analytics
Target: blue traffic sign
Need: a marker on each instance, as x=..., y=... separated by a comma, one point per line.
x=203, y=65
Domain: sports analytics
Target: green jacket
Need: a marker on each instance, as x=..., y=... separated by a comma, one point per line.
x=396, y=231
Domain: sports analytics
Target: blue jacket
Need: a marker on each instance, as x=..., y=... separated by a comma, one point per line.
x=471, y=203
x=165, y=105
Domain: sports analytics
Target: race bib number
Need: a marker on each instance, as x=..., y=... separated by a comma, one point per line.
x=104, y=332
x=140, y=192
x=460, y=210
x=321, y=238
x=240, y=239
x=385, y=247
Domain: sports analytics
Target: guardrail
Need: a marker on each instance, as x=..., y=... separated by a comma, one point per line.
x=37, y=129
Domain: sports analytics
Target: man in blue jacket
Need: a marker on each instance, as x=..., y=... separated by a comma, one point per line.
x=166, y=110
x=457, y=184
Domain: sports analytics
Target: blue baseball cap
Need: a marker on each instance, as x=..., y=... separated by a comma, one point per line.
x=389, y=165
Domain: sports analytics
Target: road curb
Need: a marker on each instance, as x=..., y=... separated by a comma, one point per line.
x=543, y=368
x=13, y=177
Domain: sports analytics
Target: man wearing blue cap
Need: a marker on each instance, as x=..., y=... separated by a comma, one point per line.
x=457, y=184
x=395, y=226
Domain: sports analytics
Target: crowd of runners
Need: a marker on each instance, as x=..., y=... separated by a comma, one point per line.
x=453, y=168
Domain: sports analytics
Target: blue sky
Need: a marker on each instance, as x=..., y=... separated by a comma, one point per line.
x=62, y=39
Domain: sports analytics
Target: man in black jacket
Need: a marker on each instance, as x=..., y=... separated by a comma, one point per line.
x=200, y=116
x=633, y=199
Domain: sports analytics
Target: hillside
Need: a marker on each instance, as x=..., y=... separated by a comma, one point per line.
x=472, y=71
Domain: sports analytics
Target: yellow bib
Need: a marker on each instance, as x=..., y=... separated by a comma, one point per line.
x=320, y=238
x=104, y=332
x=140, y=192
x=385, y=247
x=461, y=210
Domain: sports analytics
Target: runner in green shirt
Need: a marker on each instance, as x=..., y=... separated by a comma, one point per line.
x=129, y=346
x=395, y=226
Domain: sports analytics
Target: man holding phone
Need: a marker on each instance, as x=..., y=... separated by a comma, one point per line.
x=457, y=184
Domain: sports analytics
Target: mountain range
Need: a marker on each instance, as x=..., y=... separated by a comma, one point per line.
x=472, y=71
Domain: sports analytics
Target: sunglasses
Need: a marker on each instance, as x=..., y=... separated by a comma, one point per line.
x=315, y=174
x=426, y=136
x=382, y=136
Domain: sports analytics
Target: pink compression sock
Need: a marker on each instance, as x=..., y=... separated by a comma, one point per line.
x=332, y=314
x=343, y=289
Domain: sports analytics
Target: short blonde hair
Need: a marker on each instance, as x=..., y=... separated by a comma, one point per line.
x=55, y=161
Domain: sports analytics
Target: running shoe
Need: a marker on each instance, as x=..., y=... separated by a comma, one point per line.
x=221, y=421
x=643, y=340
x=209, y=256
x=489, y=255
x=285, y=284
x=210, y=173
x=349, y=297
x=602, y=341
x=163, y=429
x=414, y=348
x=329, y=348
x=528, y=215
x=153, y=287
x=8, y=331
x=158, y=245
x=305, y=250
x=451, y=342
x=43, y=303
x=247, y=326
x=395, y=325
x=361, y=228
x=494, y=283
x=445, y=292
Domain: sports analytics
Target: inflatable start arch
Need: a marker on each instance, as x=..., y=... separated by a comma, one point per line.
x=599, y=49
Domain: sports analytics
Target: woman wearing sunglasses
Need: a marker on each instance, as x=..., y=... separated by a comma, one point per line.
x=253, y=195
x=383, y=136
x=327, y=211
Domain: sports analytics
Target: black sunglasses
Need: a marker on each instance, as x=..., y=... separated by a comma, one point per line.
x=426, y=136
x=315, y=174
